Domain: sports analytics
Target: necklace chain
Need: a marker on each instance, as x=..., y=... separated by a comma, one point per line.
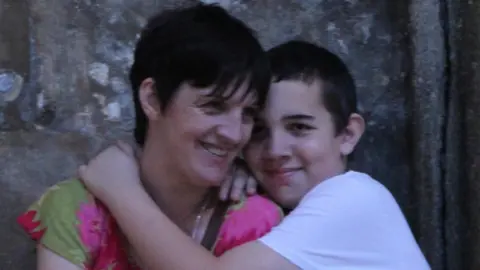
x=194, y=234
x=198, y=218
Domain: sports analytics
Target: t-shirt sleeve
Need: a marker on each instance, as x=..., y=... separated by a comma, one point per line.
x=347, y=227
x=61, y=221
x=246, y=221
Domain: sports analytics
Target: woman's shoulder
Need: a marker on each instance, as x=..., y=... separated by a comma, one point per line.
x=67, y=220
x=62, y=200
x=256, y=208
x=247, y=220
x=67, y=191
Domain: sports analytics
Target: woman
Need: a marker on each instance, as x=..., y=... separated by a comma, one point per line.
x=198, y=76
x=341, y=219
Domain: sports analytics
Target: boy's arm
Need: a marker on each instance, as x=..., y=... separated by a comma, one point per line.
x=169, y=249
x=113, y=175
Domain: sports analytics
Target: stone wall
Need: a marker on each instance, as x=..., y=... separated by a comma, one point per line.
x=64, y=94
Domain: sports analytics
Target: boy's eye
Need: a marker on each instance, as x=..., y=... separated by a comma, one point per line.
x=259, y=132
x=299, y=128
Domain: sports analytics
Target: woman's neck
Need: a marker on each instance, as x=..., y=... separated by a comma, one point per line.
x=172, y=192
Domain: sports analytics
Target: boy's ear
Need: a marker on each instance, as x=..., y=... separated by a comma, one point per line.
x=352, y=133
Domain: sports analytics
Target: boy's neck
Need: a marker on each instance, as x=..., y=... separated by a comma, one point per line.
x=329, y=171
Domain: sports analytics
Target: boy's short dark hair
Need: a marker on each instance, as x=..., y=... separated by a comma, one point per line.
x=304, y=61
x=202, y=45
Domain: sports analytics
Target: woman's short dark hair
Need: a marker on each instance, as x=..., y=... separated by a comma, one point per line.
x=202, y=45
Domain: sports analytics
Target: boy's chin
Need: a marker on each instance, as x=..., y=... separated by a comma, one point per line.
x=286, y=199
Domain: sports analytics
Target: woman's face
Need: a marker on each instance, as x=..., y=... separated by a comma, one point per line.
x=294, y=146
x=202, y=134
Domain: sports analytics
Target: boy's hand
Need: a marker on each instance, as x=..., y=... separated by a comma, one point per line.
x=239, y=183
x=113, y=172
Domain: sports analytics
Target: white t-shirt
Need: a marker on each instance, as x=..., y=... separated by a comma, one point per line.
x=349, y=221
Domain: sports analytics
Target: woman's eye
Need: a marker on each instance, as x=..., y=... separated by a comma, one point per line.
x=249, y=114
x=214, y=107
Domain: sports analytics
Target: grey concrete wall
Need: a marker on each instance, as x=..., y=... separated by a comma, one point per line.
x=64, y=93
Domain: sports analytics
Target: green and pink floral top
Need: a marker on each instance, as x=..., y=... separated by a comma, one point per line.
x=69, y=221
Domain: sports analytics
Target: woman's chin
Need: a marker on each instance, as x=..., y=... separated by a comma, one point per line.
x=211, y=179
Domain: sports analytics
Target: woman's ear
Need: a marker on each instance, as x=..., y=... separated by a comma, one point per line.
x=148, y=99
x=352, y=133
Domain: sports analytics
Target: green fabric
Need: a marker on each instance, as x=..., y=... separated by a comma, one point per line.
x=56, y=210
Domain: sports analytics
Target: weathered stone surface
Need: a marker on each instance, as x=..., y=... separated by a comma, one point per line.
x=11, y=85
x=417, y=92
x=14, y=59
x=30, y=162
x=462, y=186
x=426, y=101
x=80, y=52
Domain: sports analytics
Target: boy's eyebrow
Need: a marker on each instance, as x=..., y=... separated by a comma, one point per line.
x=298, y=117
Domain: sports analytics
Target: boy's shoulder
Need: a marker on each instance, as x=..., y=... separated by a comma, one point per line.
x=351, y=185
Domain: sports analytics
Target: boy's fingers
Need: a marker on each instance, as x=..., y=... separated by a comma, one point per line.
x=225, y=188
x=251, y=186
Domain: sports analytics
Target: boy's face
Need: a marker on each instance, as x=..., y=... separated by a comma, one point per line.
x=294, y=147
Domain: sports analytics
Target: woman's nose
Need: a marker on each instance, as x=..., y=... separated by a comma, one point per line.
x=232, y=130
